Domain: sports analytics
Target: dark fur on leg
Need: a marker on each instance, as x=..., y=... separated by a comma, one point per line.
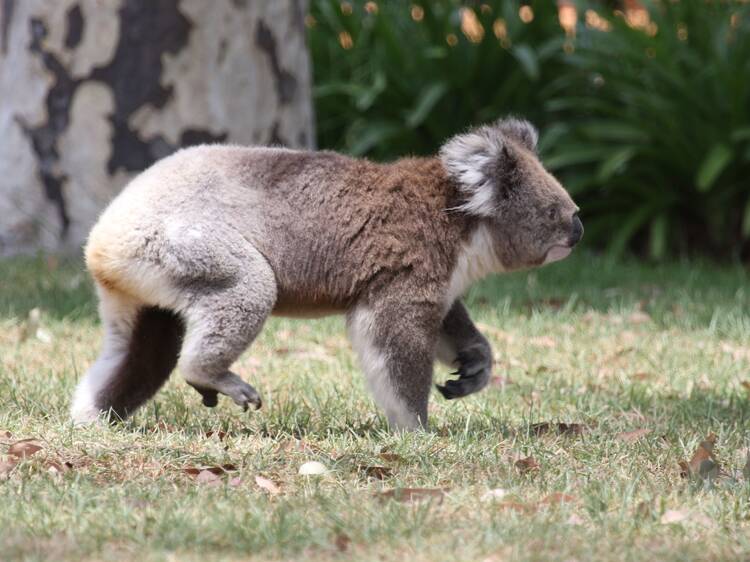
x=473, y=354
x=152, y=355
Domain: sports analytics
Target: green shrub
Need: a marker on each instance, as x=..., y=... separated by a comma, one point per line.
x=402, y=88
x=653, y=129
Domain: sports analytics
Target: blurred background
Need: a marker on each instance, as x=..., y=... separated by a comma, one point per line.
x=643, y=106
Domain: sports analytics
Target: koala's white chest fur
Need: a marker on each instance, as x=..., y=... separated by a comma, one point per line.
x=476, y=259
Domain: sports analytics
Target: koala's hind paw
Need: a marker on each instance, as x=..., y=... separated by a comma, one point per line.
x=233, y=386
x=474, y=371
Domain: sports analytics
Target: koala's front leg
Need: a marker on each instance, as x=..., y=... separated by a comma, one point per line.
x=461, y=345
x=396, y=345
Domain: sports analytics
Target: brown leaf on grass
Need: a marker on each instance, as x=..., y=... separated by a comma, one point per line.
x=59, y=467
x=410, y=495
x=641, y=376
x=391, y=457
x=215, y=470
x=556, y=498
x=296, y=445
x=746, y=385
x=268, y=485
x=163, y=427
x=517, y=506
x=544, y=341
x=377, y=472
x=208, y=478
x=703, y=464
x=561, y=428
x=25, y=448
x=342, y=542
x=6, y=467
x=632, y=436
x=675, y=516
x=644, y=510
x=527, y=465
x=220, y=435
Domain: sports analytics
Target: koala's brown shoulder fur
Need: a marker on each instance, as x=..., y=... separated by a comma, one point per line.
x=358, y=228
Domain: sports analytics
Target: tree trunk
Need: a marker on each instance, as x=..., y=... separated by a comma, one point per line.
x=94, y=91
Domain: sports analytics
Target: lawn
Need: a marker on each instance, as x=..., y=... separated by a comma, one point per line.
x=642, y=362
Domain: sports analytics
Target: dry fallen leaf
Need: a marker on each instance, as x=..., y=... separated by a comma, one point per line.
x=631, y=436
x=215, y=470
x=641, y=376
x=208, y=478
x=527, y=465
x=674, y=516
x=342, y=542
x=544, y=341
x=377, y=472
x=556, y=498
x=25, y=448
x=59, y=467
x=518, y=506
x=407, y=495
x=268, y=485
x=6, y=468
x=219, y=434
x=703, y=464
x=561, y=428
x=391, y=457
x=644, y=510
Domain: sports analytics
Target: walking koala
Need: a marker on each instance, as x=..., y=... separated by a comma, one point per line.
x=198, y=250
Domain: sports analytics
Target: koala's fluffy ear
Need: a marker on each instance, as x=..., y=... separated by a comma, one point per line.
x=475, y=160
x=519, y=130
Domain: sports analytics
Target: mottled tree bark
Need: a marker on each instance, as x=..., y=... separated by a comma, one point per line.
x=93, y=91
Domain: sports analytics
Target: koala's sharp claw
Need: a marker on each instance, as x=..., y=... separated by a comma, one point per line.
x=445, y=391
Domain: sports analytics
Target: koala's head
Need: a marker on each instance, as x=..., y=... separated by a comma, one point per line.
x=531, y=218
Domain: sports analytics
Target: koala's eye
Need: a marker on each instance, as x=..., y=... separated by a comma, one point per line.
x=552, y=213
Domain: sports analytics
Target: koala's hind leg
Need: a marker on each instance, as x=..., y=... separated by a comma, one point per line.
x=462, y=346
x=396, y=347
x=140, y=350
x=222, y=321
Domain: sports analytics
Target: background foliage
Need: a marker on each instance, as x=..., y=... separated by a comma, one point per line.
x=644, y=114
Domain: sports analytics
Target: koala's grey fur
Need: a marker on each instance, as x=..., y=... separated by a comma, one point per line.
x=198, y=250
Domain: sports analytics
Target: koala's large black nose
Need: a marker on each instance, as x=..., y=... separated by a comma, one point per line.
x=576, y=232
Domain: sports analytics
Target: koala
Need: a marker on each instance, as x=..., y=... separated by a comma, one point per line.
x=193, y=256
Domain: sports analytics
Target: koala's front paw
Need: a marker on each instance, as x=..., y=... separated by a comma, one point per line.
x=474, y=371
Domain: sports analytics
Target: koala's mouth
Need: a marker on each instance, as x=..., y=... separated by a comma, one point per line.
x=557, y=253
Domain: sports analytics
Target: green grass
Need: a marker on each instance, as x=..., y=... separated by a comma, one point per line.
x=617, y=346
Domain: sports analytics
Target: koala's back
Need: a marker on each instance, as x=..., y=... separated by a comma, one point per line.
x=330, y=226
